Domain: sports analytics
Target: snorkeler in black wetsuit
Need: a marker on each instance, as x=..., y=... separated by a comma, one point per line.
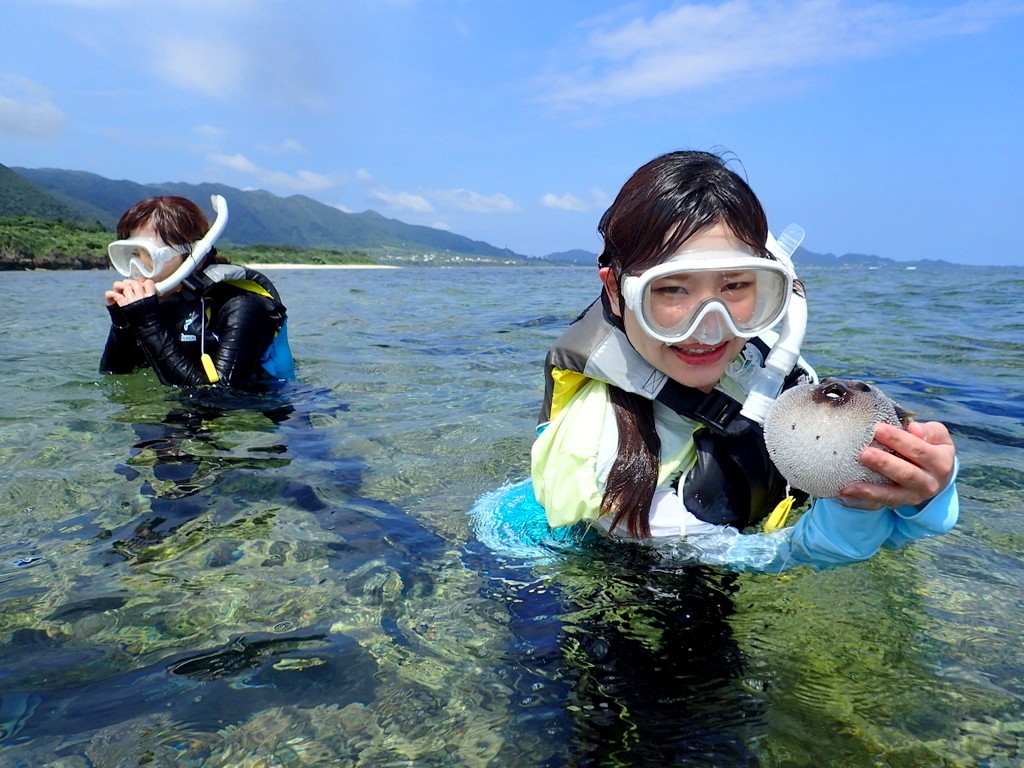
x=170, y=334
x=184, y=313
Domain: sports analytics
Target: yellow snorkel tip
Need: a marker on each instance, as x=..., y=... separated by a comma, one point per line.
x=211, y=372
x=779, y=515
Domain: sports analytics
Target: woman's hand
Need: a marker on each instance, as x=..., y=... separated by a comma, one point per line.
x=920, y=466
x=125, y=292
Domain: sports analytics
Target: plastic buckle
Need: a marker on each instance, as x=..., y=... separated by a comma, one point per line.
x=195, y=286
x=718, y=410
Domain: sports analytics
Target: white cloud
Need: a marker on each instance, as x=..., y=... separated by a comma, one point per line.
x=431, y=200
x=93, y=4
x=299, y=181
x=26, y=109
x=474, y=202
x=253, y=53
x=402, y=201
x=208, y=66
x=700, y=46
x=209, y=132
x=170, y=8
x=566, y=202
x=236, y=64
x=235, y=162
x=311, y=181
x=289, y=146
x=205, y=5
x=285, y=147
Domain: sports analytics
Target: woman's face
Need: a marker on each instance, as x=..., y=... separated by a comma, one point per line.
x=693, y=363
x=148, y=231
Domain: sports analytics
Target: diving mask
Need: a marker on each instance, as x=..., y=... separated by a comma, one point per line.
x=143, y=257
x=705, y=295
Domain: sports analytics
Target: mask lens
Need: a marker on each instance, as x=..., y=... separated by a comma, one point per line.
x=144, y=259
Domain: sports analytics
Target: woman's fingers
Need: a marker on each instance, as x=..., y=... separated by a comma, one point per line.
x=919, y=463
x=126, y=291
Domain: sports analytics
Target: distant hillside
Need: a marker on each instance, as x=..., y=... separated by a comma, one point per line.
x=802, y=258
x=259, y=217
x=576, y=256
x=19, y=197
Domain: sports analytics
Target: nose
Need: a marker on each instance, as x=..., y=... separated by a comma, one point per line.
x=710, y=330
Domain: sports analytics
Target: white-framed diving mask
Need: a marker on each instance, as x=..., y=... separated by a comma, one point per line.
x=146, y=257
x=143, y=257
x=705, y=295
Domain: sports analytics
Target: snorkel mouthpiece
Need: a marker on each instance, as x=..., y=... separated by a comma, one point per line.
x=786, y=352
x=199, y=249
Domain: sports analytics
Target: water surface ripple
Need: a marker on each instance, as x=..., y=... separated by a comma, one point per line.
x=205, y=579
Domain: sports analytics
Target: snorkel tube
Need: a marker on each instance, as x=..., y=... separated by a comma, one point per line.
x=199, y=249
x=786, y=352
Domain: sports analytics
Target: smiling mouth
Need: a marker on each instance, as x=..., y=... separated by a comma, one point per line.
x=698, y=351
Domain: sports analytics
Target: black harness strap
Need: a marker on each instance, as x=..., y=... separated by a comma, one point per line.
x=714, y=409
x=733, y=481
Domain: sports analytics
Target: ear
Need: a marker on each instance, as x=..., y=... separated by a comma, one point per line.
x=611, y=287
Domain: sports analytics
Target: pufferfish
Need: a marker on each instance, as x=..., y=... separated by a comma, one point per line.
x=815, y=433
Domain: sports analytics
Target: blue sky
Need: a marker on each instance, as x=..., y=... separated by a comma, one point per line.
x=890, y=128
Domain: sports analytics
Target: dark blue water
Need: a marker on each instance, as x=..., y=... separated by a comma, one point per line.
x=194, y=578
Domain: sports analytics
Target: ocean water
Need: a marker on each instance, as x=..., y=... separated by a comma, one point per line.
x=204, y=579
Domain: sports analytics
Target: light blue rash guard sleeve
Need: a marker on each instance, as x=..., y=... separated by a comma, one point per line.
x=511, y=522
x=830, y=534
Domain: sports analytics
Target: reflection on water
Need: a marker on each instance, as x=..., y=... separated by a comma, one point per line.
x=207, y=691
x=199, y=578
x=637, y=657
x=187, y=451
x=300, y=579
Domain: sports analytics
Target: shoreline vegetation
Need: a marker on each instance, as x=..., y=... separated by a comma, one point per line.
x=28, y=243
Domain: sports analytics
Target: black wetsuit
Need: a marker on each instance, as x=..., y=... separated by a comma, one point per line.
x=165, y=334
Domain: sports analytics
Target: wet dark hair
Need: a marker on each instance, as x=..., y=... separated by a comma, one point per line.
x=662, y=205
x=177, y=220
x=680, y=193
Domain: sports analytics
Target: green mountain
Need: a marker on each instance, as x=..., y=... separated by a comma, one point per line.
x=20, y=197
x=261, y=218
x=256, y=217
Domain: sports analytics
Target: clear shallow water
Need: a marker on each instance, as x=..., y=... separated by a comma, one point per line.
x=200, y=579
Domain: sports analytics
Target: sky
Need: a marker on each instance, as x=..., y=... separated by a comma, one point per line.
x=887, y=128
